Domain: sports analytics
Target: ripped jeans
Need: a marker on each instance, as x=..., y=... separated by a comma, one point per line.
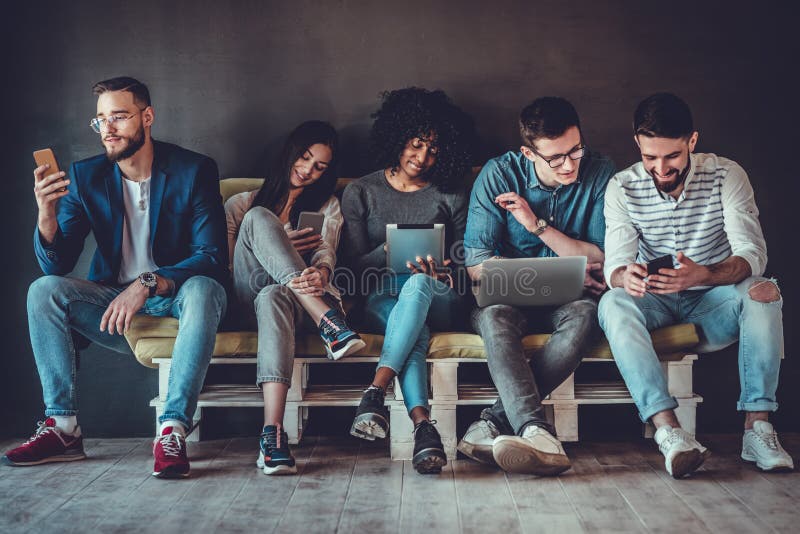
x=723, y=315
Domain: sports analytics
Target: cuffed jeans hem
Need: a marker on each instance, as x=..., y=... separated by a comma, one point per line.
x=173, y=416
x=396, y=372
x=50, y=413
x=649, y=411
x=288, y=278
x=261, y=379
x=758, y=406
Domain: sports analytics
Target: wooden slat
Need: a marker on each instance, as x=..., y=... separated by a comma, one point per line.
x=542, y=505
x=373, y=501
x=429, y=502
x=247, y=512
x=33, y=499
x=317, y=503
x=485, y=503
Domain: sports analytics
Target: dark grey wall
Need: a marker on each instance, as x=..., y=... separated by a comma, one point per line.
x=229, y=79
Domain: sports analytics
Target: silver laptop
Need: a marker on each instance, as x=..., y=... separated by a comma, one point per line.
x=531, y=281
x=404, y=242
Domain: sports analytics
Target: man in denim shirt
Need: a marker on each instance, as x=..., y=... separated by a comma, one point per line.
x=545, y=200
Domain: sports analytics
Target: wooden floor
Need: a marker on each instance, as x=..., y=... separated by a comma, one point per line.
x=352, y=486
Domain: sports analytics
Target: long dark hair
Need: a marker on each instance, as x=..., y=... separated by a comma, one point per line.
x=275, y=190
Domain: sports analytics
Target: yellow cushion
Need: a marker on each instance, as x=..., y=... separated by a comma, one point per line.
x=154, y=337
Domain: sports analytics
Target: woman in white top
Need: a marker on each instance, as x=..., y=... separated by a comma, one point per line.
x=282, y=274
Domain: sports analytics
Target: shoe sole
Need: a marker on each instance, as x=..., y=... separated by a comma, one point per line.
x=281, y=469
x=781, y=468
x=688, y=462
x=479, y=453
x=352, y=346
x=369, y=426
x=429, y=461
x=514, y=457
x=170, y=474
x=52, y=459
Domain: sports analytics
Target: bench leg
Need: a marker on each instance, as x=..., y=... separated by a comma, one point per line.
x=294, y=419
x=445, y=417
x=401, y=433
x=444, y=380
x=196, y=420
x=566, y=421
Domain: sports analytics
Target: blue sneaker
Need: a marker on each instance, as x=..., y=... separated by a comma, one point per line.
x=275, y=458
x=339, y=339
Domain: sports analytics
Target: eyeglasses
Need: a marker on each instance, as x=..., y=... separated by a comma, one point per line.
x=98, y=124
x=559, y=159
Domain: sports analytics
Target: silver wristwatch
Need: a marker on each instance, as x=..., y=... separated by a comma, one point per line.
x=149, y=281
x=541, y=226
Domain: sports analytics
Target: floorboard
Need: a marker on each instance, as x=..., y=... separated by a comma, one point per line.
x=346, y=485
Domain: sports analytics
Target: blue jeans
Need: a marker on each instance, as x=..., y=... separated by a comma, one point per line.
x=723, y=316
x=407, y=311
x=58, y=305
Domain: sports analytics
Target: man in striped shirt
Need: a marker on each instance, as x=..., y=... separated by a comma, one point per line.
x=698, y=209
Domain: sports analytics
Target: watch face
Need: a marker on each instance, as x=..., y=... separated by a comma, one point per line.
x=148, y=279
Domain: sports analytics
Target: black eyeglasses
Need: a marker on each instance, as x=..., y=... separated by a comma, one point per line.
x=559, y=159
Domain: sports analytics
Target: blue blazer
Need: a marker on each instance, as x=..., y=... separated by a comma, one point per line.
x=187, y=220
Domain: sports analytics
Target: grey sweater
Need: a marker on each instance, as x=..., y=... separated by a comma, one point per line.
x=370, y=203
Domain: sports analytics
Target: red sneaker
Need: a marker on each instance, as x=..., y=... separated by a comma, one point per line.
x=48, y=444
x=169, y=450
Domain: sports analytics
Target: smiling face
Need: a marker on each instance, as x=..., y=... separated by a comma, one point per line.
x=311, y=165
x=551, y=149
x=666, y=160
x=419, y=156
x=123, y=137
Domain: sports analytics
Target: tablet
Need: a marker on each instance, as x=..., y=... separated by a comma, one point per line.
x=404, y=242
x=531, y=281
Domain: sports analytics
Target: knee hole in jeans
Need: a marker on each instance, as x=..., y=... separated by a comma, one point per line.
x=764, y=291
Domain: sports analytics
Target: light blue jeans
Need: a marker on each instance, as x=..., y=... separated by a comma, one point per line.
x=723, y=316
x=58, y=305
x=407, y=311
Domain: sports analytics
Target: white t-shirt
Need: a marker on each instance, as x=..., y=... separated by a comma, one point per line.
x=137, y=256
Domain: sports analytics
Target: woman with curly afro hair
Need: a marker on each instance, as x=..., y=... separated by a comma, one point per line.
x=422, y=143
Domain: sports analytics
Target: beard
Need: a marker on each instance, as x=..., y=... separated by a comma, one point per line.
x=134, y=144
x=672, y=186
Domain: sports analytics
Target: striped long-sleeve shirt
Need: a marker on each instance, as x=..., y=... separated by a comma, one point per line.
x=713, y=218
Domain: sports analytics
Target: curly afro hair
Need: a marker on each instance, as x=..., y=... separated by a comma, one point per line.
x=416, y=112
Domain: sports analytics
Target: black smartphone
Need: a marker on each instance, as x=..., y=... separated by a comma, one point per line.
x=664, y=262
x=310, y=219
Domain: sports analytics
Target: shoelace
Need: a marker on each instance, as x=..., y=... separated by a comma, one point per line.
x=427, y=427
x=770, y=440
x=673, y=438
x=332, y=326
x=490, y=429
x=171, y=444
x=375, y=393
x=41, y=428
x=274, y=440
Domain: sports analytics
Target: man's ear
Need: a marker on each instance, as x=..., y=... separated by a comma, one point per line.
x=527, y=152
x=148, y=116
x=636, y=140
x=693, y=141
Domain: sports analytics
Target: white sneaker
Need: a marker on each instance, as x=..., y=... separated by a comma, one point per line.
x=477, y=442
x=537, y=452
x=761, y=445
x=682, y=453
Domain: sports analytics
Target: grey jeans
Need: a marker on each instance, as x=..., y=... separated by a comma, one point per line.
x=264, y=261
x=521, y=384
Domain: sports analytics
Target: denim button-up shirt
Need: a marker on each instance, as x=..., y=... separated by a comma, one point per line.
x=575, y=209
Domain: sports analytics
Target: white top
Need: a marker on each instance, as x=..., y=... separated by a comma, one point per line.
x=137, y=255
x=713, y=218
x=238, y=204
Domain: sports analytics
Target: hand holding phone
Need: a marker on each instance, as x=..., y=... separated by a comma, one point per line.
x=310, y=219
x=663, y=262
x=49, y=182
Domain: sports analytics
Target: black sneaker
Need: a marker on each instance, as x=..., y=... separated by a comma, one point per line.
x=429, y=456
x=339, y=339
x=274, y=456
x=372, y=417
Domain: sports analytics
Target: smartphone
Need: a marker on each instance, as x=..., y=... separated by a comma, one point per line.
x=46, y=156
x=664, y=262
x=310, y=219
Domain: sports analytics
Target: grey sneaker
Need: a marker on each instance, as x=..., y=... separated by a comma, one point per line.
x=682, y=453
x=761, y=445
x=536, y=452
x=477, y=442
